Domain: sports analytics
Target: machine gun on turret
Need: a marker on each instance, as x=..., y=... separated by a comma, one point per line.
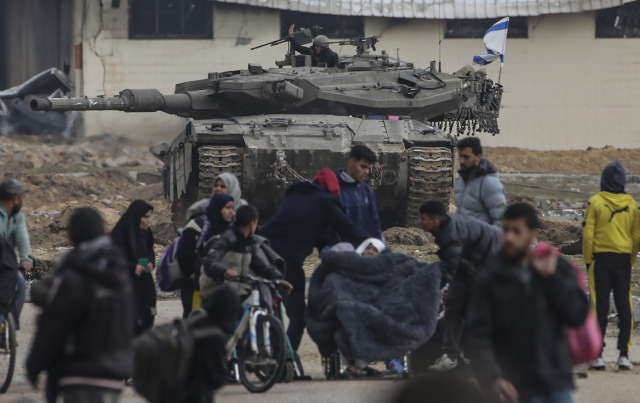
x=363, y=45
x=301, y=36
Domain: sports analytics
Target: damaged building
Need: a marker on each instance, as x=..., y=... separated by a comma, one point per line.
x=569, y=68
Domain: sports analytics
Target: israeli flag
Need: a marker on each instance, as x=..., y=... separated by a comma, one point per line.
x=495, y=40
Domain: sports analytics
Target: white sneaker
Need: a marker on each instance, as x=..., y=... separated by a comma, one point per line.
x=598, y=365
x=443, y=364
x=624, y=364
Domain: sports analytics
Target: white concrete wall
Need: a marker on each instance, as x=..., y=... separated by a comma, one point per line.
x=112, y=62
x=564, y=89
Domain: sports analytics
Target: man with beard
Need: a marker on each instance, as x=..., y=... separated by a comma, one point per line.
x=465, y=244
x=13, y=228
x=521, y=304
x=479, y=192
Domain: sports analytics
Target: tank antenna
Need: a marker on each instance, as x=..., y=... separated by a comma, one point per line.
x=440, y=36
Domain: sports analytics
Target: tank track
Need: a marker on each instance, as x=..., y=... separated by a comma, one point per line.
x=430, y=178
x=214, y=160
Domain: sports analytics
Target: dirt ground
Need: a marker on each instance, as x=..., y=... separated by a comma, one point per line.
x=610, y=386
x=589, y=161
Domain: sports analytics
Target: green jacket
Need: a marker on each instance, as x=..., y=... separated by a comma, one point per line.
x=14, y=230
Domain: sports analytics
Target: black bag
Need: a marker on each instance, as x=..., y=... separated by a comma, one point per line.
x=164, y=357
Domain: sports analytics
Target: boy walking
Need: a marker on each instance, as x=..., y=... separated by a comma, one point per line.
x=610, y=243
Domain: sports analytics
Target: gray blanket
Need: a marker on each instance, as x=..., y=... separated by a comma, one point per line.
x=372, y=308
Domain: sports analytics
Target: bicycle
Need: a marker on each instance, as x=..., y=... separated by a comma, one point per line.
x=258, y=343
x=8, y=352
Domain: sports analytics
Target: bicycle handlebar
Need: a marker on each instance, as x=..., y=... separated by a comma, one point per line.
x=253, y=280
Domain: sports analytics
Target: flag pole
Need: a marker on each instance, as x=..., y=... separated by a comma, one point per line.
x=504, y=49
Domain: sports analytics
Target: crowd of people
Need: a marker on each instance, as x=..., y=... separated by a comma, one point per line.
x=506, y=304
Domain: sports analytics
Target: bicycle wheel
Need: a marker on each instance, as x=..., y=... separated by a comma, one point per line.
x=8, y=353
x=259, y=370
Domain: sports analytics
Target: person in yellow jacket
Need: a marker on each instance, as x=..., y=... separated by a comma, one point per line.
x=610, y=243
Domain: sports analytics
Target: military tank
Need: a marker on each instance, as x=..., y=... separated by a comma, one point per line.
x=277, y=126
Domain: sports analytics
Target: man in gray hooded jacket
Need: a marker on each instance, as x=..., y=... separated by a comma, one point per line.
x=479, y=192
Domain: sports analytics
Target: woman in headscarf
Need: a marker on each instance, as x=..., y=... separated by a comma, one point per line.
x=217, y=216
x=228, y=183
x=134, y=237
x=225, y=183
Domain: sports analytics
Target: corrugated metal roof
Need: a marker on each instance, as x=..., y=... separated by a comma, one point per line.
x=435, y=9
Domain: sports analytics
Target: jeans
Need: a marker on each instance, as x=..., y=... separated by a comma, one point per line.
x=90, y=395
x=561, y=396
x=16, y=310
x=295, y=305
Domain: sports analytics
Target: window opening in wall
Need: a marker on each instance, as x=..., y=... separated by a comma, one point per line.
x=619, y=22
x=333, y=26
x=170, y=19
x=518, y=28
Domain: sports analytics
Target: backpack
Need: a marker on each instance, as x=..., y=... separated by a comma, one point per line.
x=164, y=357
x=170, y=277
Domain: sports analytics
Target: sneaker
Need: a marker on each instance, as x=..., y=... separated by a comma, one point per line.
x=624, y=364
x=443, y=364
x=395, y=366
x=598, y=365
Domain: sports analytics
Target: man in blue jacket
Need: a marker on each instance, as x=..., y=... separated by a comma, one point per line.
x=357, y=198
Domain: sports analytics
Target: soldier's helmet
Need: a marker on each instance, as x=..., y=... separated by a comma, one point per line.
x=321, y=41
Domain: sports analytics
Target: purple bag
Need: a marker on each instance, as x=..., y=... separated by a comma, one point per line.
x=170, y=277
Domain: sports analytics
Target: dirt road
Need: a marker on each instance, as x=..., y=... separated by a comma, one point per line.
x=606, y=387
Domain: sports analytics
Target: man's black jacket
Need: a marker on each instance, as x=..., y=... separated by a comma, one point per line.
x=301, y=222
x=86, y=328
x=465, y=244
x=516, y=326
x=326, y=55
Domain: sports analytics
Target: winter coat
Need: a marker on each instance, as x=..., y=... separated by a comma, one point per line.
x=480, y=194
x=302, y=221
x=359, y=201
x=465, y=244
x=326, y=55
x=8, y=276
x=14, y=230
x=246, y=255
x=612, y=223
x=87, y=326
x=516, y=326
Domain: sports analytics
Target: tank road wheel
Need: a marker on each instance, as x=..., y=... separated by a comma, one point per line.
x=430, y=178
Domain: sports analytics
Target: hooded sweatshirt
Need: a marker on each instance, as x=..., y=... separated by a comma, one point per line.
x=480, y=194
x=612, y=223
x=86, y=329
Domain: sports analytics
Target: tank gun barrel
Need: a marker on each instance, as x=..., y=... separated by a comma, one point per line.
x=142, y=100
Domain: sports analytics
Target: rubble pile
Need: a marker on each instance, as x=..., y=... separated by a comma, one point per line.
x=27, y=154
x=589, y=161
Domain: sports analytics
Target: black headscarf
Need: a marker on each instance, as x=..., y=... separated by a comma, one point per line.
x=217, y=223
x=613, y=178
x=127, y=231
